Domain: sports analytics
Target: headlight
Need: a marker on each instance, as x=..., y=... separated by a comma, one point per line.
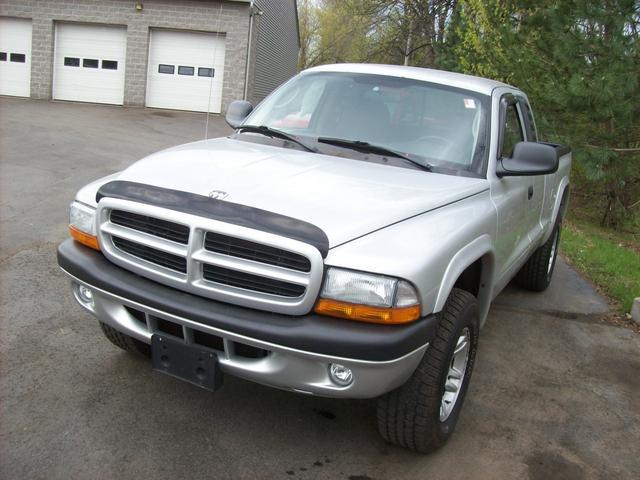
x=83, y=218
x=82, y=224
x=368, y=297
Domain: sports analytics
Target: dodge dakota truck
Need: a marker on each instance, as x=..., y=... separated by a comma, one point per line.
x=346, y=240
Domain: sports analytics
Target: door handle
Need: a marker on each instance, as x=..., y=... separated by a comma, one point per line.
x=530, y=192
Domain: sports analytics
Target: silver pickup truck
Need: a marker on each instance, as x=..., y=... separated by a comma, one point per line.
x=345, y=241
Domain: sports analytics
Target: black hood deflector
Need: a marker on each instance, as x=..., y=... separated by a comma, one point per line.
x=220, y=210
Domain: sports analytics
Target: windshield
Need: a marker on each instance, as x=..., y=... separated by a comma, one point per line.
x=438, y=125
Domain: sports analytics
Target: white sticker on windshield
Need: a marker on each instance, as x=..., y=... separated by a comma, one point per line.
x=469, y=103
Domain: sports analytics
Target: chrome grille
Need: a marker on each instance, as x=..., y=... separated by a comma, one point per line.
x=164, y=259
x=154, y=226
x=227, y=276
x=236, y=247
x=210, y=258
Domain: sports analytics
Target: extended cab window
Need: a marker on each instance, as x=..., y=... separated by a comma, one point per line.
x=512, y=131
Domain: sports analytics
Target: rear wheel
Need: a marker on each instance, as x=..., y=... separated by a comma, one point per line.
x=422, y=414
x=125, y=342
x=536, y=274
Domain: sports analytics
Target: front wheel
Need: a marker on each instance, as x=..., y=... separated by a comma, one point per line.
x=422, y=414
x=125, y=342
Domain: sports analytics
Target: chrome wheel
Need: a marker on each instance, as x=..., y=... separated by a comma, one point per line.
x=552, y=254
x=455, y=375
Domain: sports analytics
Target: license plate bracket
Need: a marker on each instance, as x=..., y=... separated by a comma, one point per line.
x=191, y=363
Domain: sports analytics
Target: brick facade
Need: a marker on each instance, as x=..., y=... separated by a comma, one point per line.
x=229, y=19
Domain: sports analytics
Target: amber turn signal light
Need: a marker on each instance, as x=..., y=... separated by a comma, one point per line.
x=84, y=238
x=366, y=313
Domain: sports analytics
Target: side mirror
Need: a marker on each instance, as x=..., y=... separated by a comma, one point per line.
x=236, y=113
x=529, y=158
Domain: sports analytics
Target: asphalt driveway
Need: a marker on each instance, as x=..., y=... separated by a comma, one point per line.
x=555, y=393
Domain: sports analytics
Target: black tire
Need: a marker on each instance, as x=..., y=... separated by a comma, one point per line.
x=125, y=342
x=536, y=274
x=410, y=415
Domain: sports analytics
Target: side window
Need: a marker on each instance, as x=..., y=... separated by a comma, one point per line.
x=512, y=131
x=528, y=120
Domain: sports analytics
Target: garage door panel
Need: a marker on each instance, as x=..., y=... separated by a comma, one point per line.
x=196, y=90
x=90, y=63
x=15, y=56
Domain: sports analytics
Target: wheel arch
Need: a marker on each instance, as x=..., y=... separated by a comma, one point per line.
x=471, y=269
x=560, y=207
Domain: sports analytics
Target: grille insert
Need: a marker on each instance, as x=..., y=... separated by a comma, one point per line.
x=236, y=247
x=151, y=225
x=248, y=281
x=158, y=257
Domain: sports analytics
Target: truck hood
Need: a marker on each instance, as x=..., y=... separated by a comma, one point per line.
x=346, y=198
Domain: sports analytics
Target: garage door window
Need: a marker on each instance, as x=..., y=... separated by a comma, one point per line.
x=205, y=72
x=71, y=62
x=18, y=57
x=89, y=63
x=109, y=65
x=3, y=56
x=170, y=69
x=182, y=70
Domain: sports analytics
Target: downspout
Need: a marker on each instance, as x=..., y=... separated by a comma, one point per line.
x=252, y=12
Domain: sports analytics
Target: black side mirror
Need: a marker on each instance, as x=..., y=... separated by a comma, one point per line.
x=236, y=113
x=529, y=158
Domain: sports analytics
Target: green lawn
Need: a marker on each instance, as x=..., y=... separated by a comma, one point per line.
x=610, y=264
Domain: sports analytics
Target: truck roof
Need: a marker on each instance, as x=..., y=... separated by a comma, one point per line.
x=469, y=82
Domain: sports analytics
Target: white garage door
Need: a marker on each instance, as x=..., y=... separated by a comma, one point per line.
x=185, y=70
x=89, y=63
x=15, y=57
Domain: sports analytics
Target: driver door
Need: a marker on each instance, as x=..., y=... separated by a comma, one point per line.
x=511, y=195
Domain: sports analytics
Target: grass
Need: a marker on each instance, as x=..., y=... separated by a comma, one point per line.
x=606, y=259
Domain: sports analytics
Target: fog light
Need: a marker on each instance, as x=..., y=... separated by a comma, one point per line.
x=85, y=295
x=340, y=374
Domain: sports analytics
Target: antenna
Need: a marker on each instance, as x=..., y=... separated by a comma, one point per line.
x=213, y=72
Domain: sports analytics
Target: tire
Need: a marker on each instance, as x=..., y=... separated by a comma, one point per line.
x=410, y=416
x=536, y=274
x=125, y=342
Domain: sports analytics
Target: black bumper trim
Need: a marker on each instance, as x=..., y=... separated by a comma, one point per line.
x=311, y=333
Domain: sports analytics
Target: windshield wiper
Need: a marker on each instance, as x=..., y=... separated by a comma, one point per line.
x=367, y=147
x=272, y=132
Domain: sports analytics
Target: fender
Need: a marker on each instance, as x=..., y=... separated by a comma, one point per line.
x=563, y=189
x=466, y=256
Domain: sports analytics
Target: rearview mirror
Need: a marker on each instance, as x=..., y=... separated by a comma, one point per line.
x=237, y=111
x=529, y=158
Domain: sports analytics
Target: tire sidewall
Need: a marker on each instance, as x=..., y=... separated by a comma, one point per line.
x=468, y=318
x=555, y=238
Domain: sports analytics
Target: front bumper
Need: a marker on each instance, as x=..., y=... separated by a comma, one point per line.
x=294, y=352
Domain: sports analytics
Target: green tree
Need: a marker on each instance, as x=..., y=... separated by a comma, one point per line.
x=308, y=27
x=578, y=61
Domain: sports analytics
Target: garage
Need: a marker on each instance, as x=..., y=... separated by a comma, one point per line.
x=185, y=70
x=89, y=63
x=15, y=57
